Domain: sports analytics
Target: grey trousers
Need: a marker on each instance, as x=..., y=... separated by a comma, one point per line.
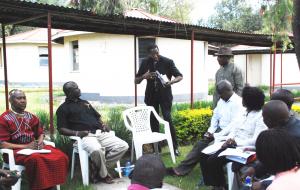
x=104, y=149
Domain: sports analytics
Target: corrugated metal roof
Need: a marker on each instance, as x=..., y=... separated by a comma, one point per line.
x=137, y=13
x=73, y=19
x=38, y=35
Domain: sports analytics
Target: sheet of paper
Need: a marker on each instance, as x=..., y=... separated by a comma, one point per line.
x=31, y=151
x=211, y=149
x=236, y=154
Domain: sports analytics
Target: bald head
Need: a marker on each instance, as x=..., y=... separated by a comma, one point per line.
x=71, y=90
x=224, y=89
x=275, y=113
x=17, y=100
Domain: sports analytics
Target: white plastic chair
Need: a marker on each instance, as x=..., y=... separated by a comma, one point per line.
x=11, y=165
x=84, y=160
x=137, y=120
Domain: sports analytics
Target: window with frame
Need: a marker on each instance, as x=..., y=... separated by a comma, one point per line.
x=75, y=55
x=144, y=43
x=43, y=56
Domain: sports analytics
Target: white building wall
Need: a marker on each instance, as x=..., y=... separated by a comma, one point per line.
x=23, y=63
x=106, y=64
x=180, y=52
x=290, y=71
x=254, y=69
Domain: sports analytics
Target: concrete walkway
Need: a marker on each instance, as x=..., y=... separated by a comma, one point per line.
x=123, y=183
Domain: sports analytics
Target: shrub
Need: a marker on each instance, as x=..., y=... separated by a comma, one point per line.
x=116, y=123
x=44, y=118
x=264, y=88
x=296, y=108
x=191, y=124
x=211, y=89
x=186, y=106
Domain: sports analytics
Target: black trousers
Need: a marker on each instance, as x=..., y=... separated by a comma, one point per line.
x=212, y=169
x=193, y=157
x=166, y=112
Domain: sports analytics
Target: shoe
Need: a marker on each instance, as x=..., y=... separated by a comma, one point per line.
x=177, y=153
x=107, y=180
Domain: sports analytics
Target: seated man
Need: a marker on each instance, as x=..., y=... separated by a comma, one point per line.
x=148, y=173
x=228, y=108
x=242, y=132
x=77, y=117
x=20, y=129
x=287, y=97
x=276, y=115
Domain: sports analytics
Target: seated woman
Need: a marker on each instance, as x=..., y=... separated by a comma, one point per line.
x=242, y=132
x=20, y=129
x=280, y=155
x=148, y=173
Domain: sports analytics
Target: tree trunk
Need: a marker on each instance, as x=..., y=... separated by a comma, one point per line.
x=296, y=29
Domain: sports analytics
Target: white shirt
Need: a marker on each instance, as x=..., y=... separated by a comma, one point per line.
x=245, y=130
x=225, y=112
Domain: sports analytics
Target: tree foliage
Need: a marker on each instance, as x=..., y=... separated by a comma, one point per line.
x=235, y=15
x=278, y=20
x=101, y=7
x=175, y=9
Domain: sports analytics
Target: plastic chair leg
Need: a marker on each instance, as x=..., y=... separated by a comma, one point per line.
x=156, y=148
x=84, y=163
x=230, y=176
x=132, y=150
x=17, y=186
x=119, y=168
x=171, y=148
x=73, y=163
x=138, y=150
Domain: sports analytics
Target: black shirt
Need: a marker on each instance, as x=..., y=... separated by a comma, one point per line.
x=165, y=66
x=78, y=115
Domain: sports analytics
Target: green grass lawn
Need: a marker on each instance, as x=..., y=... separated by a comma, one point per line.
x=188, y=182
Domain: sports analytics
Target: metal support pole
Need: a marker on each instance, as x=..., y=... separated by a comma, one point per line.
x=281, y=69
x=246, y=68
x=135, y=62
x=192, y=69
x=5, y=66
x=270, y=89
x=50, y=75
x=274, y=65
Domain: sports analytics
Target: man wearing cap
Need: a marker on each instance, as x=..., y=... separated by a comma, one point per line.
x=227, y=71
x=158, y=94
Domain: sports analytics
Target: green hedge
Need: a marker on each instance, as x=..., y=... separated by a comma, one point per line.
x=191, y=124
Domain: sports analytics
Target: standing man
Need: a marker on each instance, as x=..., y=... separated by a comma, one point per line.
x=158, y=94
x=228, y=71
x=77, y=117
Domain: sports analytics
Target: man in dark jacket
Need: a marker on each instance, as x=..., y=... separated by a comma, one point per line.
x=159, y=94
